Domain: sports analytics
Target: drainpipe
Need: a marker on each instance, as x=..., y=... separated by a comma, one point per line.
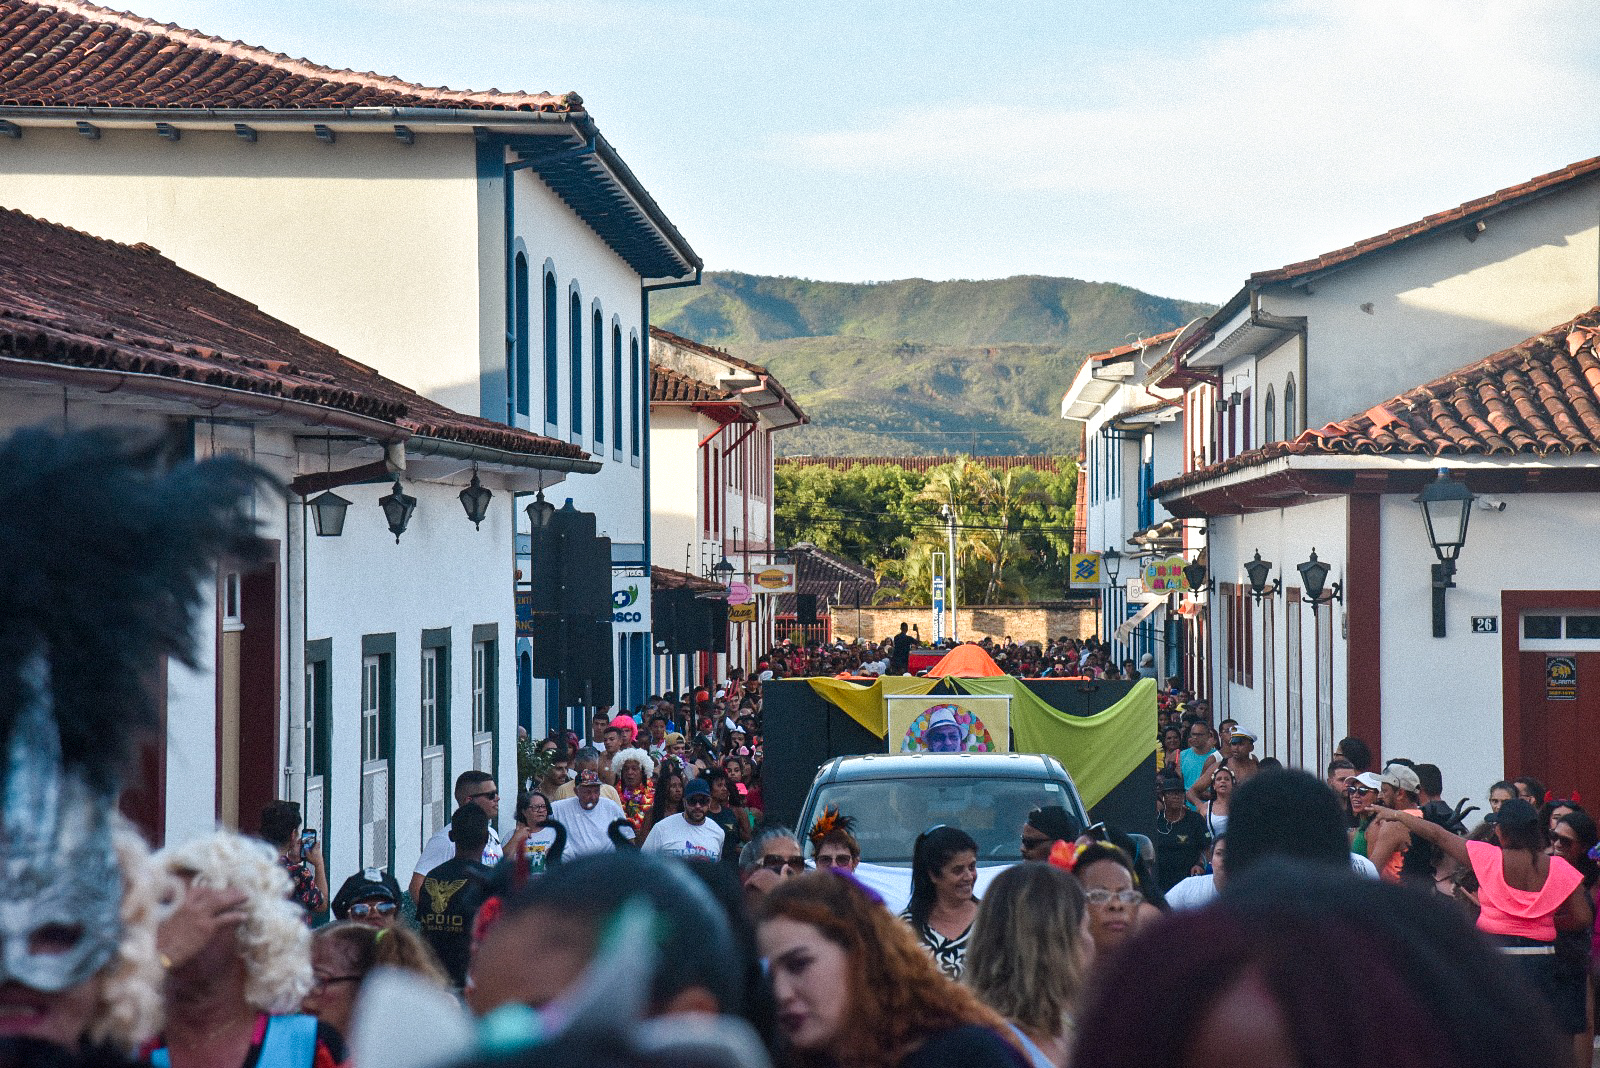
x=1287, y=324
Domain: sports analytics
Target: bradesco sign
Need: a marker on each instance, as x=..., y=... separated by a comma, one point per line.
x=775, y=578
x=630, y=599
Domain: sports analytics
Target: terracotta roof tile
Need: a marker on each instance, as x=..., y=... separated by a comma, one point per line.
x=672, y=387
x=66, y=53
x=1537, y=398
x=72, y=300
x=1436, y=221
x=1134, y=346
x=667, y=336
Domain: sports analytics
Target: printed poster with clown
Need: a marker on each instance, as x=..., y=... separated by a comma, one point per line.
x=952, y=723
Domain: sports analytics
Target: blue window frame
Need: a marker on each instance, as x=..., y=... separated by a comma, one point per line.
x=598, y=341
x=521, y=367
x=575, y=359
x=616, y=388
x=552, y=370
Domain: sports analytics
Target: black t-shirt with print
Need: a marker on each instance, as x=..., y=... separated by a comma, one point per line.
x=451, y=894
x=1178, y=847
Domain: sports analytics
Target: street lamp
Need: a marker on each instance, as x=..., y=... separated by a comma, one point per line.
x=1446, y=507
x=398, y=507
x=722, y=571
x=1314, y=577
x=475, y=499
x=327, y=512
x=1111, y=560
x=1195, y=575
x=1258, y=571
x=540, y=511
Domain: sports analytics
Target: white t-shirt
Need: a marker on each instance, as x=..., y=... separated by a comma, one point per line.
x=1198, y=890
x=537, y=845
x=440, y=849
x=586, y=829
x=675, y=836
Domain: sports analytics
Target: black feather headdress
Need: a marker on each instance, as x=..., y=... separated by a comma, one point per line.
x=104, y=546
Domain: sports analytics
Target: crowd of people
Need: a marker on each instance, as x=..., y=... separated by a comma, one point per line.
x=1062, y=657
x=644, y=914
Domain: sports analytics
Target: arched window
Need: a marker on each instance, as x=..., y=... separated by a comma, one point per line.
x=552, y=370
x=575, y=358
x=637, y=386
x=521, y=369
x=1269, y=420
x=598, y=355
x=616, y=389
x=1291, y=414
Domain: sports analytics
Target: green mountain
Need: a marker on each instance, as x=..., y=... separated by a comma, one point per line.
x=914, y=367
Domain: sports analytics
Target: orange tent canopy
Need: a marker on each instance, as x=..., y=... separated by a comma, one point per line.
x=966, y=661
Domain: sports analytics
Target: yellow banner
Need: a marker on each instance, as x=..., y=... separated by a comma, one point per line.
x=742, y=613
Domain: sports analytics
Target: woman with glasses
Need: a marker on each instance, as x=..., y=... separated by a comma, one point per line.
x=538, y=839
x=342, y=955
x=944, y=870
x=1106, y=874
x=769, y=858
x=833, y=842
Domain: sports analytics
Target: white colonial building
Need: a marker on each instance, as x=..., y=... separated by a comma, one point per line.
x=713, y=417
x=1320, y=401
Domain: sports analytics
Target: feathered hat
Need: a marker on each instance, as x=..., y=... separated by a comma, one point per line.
x=831, y=820
x=105, y=546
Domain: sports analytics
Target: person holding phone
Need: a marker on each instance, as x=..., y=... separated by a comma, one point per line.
x=300, y=854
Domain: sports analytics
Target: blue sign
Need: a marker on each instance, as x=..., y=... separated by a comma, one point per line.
x=938, y=608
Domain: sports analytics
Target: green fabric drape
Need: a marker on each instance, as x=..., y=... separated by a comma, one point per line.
x=865, y=704
x=1099, y=751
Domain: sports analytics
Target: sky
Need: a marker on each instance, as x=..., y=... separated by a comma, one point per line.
x=1175, y=146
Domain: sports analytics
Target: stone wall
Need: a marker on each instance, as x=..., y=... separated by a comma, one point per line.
x=1022, y=622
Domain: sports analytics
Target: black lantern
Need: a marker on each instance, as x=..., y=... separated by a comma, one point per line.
x=1259, y=571
x=398, y=507
x=1446, y=507
x=1314, y=577
x=722, y=571
x=1111, y=560
x=327, y=512
x=540, y=511
x=475, y=499
x=1195, y=575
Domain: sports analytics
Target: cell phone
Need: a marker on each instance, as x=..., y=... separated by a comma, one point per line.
x=308, y=839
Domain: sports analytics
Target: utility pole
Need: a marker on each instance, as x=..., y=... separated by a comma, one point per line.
x=949, y=516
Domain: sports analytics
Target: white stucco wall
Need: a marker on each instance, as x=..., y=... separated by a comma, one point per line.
x=675, y=487
x=1404, y=316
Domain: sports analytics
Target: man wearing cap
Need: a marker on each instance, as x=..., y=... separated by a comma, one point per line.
x=1180, y=834
x=1389, y=843
x=689, y=833
x=1240, y=758
x=587, y=817
x=588, y=759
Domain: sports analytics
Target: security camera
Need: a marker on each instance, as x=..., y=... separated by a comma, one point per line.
x=1491, y=504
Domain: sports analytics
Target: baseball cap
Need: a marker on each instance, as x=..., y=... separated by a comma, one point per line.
x=1369, y=779
x=588, y=777
x=673, y=738
x=696, y=787
x=368, y=884
x=1402, y=778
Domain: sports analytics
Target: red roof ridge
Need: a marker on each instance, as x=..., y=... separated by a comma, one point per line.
x=299, y=67
x=1132, y=346
x=710, y=350
x=1428, y=223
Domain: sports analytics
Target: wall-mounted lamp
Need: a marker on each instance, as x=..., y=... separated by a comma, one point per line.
x=1196, y=576
x=1111, y=560
x=1314, y=578
x=540, y=511
x=327, y=513
x=398, y=507
x=475, y=499
x=1259, y=571
x=1446, y=508
x=722, y=571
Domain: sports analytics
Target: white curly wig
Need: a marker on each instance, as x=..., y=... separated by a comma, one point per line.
x=274, y=940
x=622, y=756
x=130, y=1008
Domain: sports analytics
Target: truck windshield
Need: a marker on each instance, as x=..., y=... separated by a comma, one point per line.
x=890, y=813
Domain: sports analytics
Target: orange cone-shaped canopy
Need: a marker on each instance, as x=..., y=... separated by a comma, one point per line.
x=966, y=662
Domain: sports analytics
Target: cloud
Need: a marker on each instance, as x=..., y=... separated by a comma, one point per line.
x=1360, y=111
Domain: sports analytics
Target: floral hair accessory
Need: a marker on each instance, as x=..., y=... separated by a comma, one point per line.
x=831, y=820
x=1065, y=854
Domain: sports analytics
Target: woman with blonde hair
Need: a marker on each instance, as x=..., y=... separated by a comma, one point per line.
x=343, y=954
x=1029, y=955
x=236, y=1001
x=854, y=987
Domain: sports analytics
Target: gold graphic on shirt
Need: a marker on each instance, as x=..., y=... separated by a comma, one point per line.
x=442, y=892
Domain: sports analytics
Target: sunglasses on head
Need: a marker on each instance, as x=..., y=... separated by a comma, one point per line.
x=361, y=909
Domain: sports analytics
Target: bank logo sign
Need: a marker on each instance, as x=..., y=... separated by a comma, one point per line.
x=630, y=599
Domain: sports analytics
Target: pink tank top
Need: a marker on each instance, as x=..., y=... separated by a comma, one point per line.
x=1519, y=913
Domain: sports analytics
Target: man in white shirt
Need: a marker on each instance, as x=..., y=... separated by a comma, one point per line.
x=587, y=759
x=474, y=786
x=689, y=833
x=587, y=817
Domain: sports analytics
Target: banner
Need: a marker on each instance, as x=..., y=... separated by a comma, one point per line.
x=742, y=613
x=949, y=724
x=775, y=578
x=1165, y=576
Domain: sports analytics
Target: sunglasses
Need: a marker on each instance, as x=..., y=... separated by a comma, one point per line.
x=1106, y=897
x=492, y=795
x=697, y=799
x=1034, y=842
x=1566, y=840
x=1362, y=790
x=773, y=862
x=361, y=910
x=834, y=860
x=322, y=982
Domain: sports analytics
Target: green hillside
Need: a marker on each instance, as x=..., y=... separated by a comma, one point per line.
x=917, y=367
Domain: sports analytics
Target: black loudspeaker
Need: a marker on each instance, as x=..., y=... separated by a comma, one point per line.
x=719, y=626
x=805, y=609
x=544, y=569
x=585, y=675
